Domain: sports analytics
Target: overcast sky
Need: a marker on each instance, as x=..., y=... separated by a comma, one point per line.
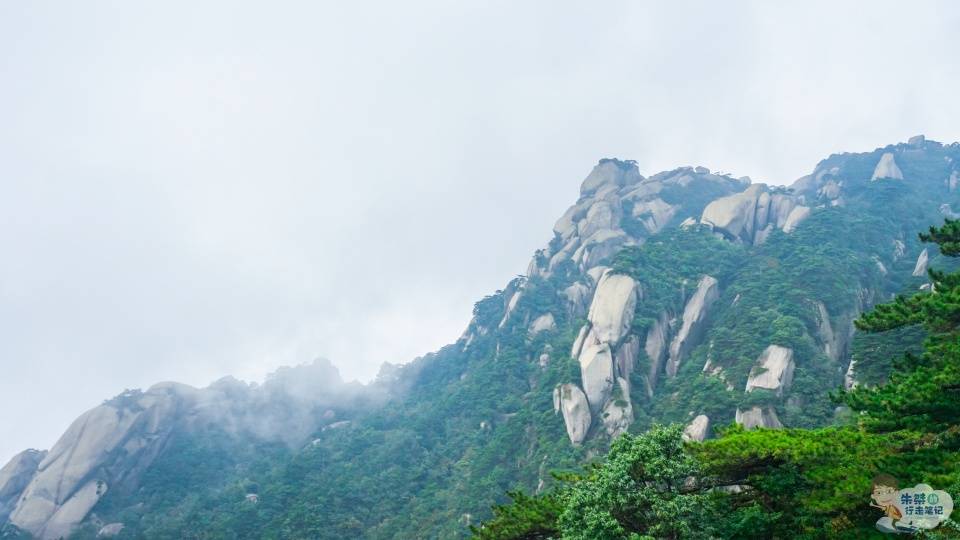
x=195, y=189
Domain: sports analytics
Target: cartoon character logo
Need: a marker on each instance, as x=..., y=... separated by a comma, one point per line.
x=911, y=509
x=884, y=497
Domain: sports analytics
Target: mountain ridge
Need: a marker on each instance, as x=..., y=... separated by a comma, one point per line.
x=649, y=283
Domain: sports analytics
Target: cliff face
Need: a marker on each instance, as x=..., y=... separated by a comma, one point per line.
x=110, y=446
x=686, y=296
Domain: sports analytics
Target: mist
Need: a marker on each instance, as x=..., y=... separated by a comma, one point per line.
x=192, y=191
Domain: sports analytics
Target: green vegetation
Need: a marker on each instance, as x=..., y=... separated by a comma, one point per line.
x=791, y=483
x=473, y=427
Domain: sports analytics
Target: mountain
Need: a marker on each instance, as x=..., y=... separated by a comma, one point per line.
x=685, y=297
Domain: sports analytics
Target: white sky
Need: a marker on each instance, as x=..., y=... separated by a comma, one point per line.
x=189, y=190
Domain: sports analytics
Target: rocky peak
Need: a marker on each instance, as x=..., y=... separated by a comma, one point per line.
x=887, y=168
x=751, y=215
x=618, y=207
x=610, y=172
x=110, y=446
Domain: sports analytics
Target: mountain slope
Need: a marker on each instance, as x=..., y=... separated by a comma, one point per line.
x=683, y=297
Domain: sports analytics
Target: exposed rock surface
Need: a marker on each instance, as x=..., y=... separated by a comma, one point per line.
x=698, y=429
x=578, y=298
x=920, y=269
x=592, y=230
x=765, y=417
x=750, y=216
x=656, y=346
x=694, y=318
x=625, y=357
x=572, y=402
x=511, y=305
x=774, y=370
x=887, y=168
x=71, y=478
x=110, y=446
x=110, y=530
x=798, y=214
x=617, y=414
x=613, y=306
x=14, y=477
x=543, y=323
x=596, y=372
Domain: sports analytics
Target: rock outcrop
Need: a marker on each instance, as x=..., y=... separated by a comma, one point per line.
x=754, y=417
x=572, y=402
x=110, y=446
x=617, y=414
x=625, y=358
x=543, y=323
x=578, y=298
x=774, y=370
x=656, y=346
x=613, y=306
x=920, y=269
x=597, y=374
x=698, y=429
x=751, y=215
x=74, y=475
x=613, y=194
x=608, y=322
x=694, y=319
x=14, y=478
x=887, y=168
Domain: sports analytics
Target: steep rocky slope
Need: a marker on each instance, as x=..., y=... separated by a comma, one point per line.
x=686, y=296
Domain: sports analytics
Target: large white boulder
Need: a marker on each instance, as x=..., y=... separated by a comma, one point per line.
x=617, y=414
x=887, y=168
x=596, y=273
x=611, y=312
x=600, y=246
x=751, y=215
x=602, y=215
x=572, y=402
x=734, y=215
x=656, y=348
x=578, y=298
x=774, y=370
x=920, y=269
x=71, y=478
x=798, y=214
x=566, y=226
x=610, y=172
x=511, y=305
x=694, y=318
x=596, y=373
x=654, y=214
x=754, y=417
x=850, y=376
x=14, y=478
x=698, y=429
x=582, y=338
x=543, y=323
x=625, y=357
x=825, y=332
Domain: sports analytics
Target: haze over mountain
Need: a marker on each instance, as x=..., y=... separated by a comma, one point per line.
x=198, y=191
x=689, y=297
